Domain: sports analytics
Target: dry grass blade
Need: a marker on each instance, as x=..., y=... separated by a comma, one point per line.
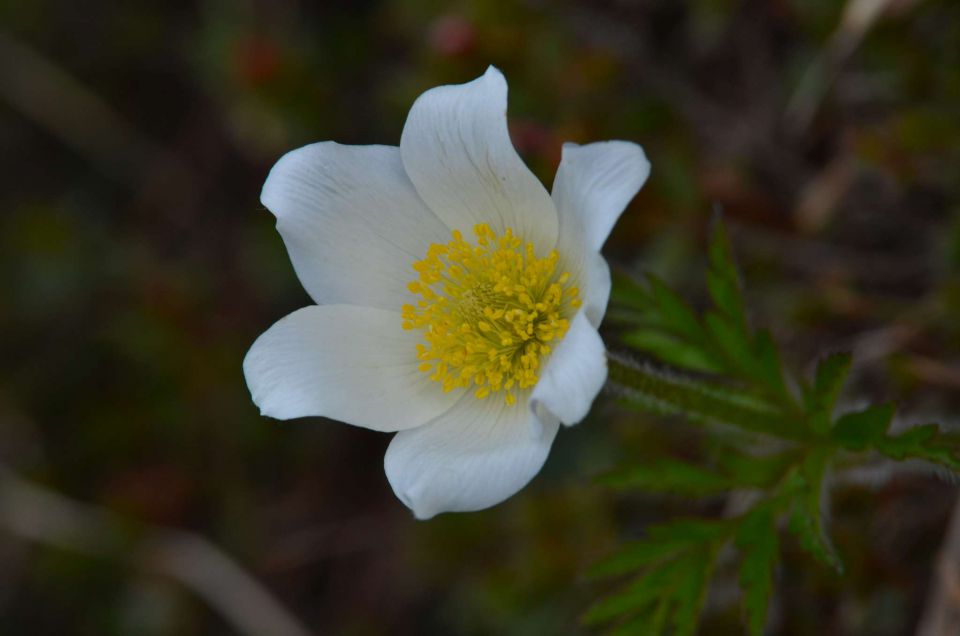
x=38, y=514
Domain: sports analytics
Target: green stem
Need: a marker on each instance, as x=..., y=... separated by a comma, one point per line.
x=669, y=394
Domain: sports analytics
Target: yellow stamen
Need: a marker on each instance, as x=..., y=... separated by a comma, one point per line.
x=487, y=311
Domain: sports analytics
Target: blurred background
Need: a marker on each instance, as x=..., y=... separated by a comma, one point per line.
x=141, y=491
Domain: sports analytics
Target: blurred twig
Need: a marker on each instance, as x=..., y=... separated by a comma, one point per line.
x=821, y=196
x=38, y=514
x=76, y=115
x=859, y=16
x=941, y=616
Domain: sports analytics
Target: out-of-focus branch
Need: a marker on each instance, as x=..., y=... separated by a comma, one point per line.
x=38, y=514
x=859, y=17
x=941, y=616
x=48, y=95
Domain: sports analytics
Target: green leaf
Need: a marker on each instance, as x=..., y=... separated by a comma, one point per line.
x=668, y=328
x=669, y=476
x=691, y=591
x=669, y=594
x=755, y=359
x=672, y=350
x=734, y=343
x=926, y=442
x=675, y=312
x=769, y=366
x=635, y=597
x=858, y=430
x=662, y=542
x=806, y=518
x=756, y=471
x=828, y=381
x=810, y=535
x=758, y=542
x=723, y=279
x=832, y=371
x=651, y=622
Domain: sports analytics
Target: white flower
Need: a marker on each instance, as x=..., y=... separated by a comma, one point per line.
x=457, y=301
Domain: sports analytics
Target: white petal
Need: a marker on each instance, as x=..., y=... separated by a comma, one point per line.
x=472, y=457
x=354, y=364
x=594, y=184
x=457, y=151
x=352, y=222
x=595, y=287
x=574, y=374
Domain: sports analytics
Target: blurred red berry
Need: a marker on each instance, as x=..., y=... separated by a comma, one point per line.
x=256, y=59
x=452, y=36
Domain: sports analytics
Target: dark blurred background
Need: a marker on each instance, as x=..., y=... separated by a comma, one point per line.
x=137, y=266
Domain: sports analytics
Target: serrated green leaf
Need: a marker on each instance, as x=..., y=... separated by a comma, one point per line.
x=670, y=594
x=911, y=439
x=828, y=381
x=769, y=365
x=691, y=591
x=723, y=279
x=832, y=371
x=753, y=358
x=675, y=312
x=926, y=442
x=663, y=541
x=726, y=297
x=636, y=555
x=858, y=430
x=669, y=476
x=756, y=471
x=668, y=328
x=734, y=343
x=689, y=530
x=758, y=541
x=806, y=517
x=658, y=622
x=637, y=595
x=652, y=621
x=672, y=350
x=811, y=538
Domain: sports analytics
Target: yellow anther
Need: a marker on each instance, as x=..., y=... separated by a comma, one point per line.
x=486, y=311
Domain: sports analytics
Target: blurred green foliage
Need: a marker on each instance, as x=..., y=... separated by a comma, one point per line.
x=746, y=387
x=137, y=265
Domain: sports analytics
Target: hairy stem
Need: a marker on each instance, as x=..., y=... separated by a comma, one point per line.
x=666, y=393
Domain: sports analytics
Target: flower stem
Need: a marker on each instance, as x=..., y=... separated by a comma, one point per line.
x=666, y=393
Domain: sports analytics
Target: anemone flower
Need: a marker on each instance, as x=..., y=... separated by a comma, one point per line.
x=457, y=301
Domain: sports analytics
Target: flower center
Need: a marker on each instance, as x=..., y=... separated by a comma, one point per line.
x=488, y=312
